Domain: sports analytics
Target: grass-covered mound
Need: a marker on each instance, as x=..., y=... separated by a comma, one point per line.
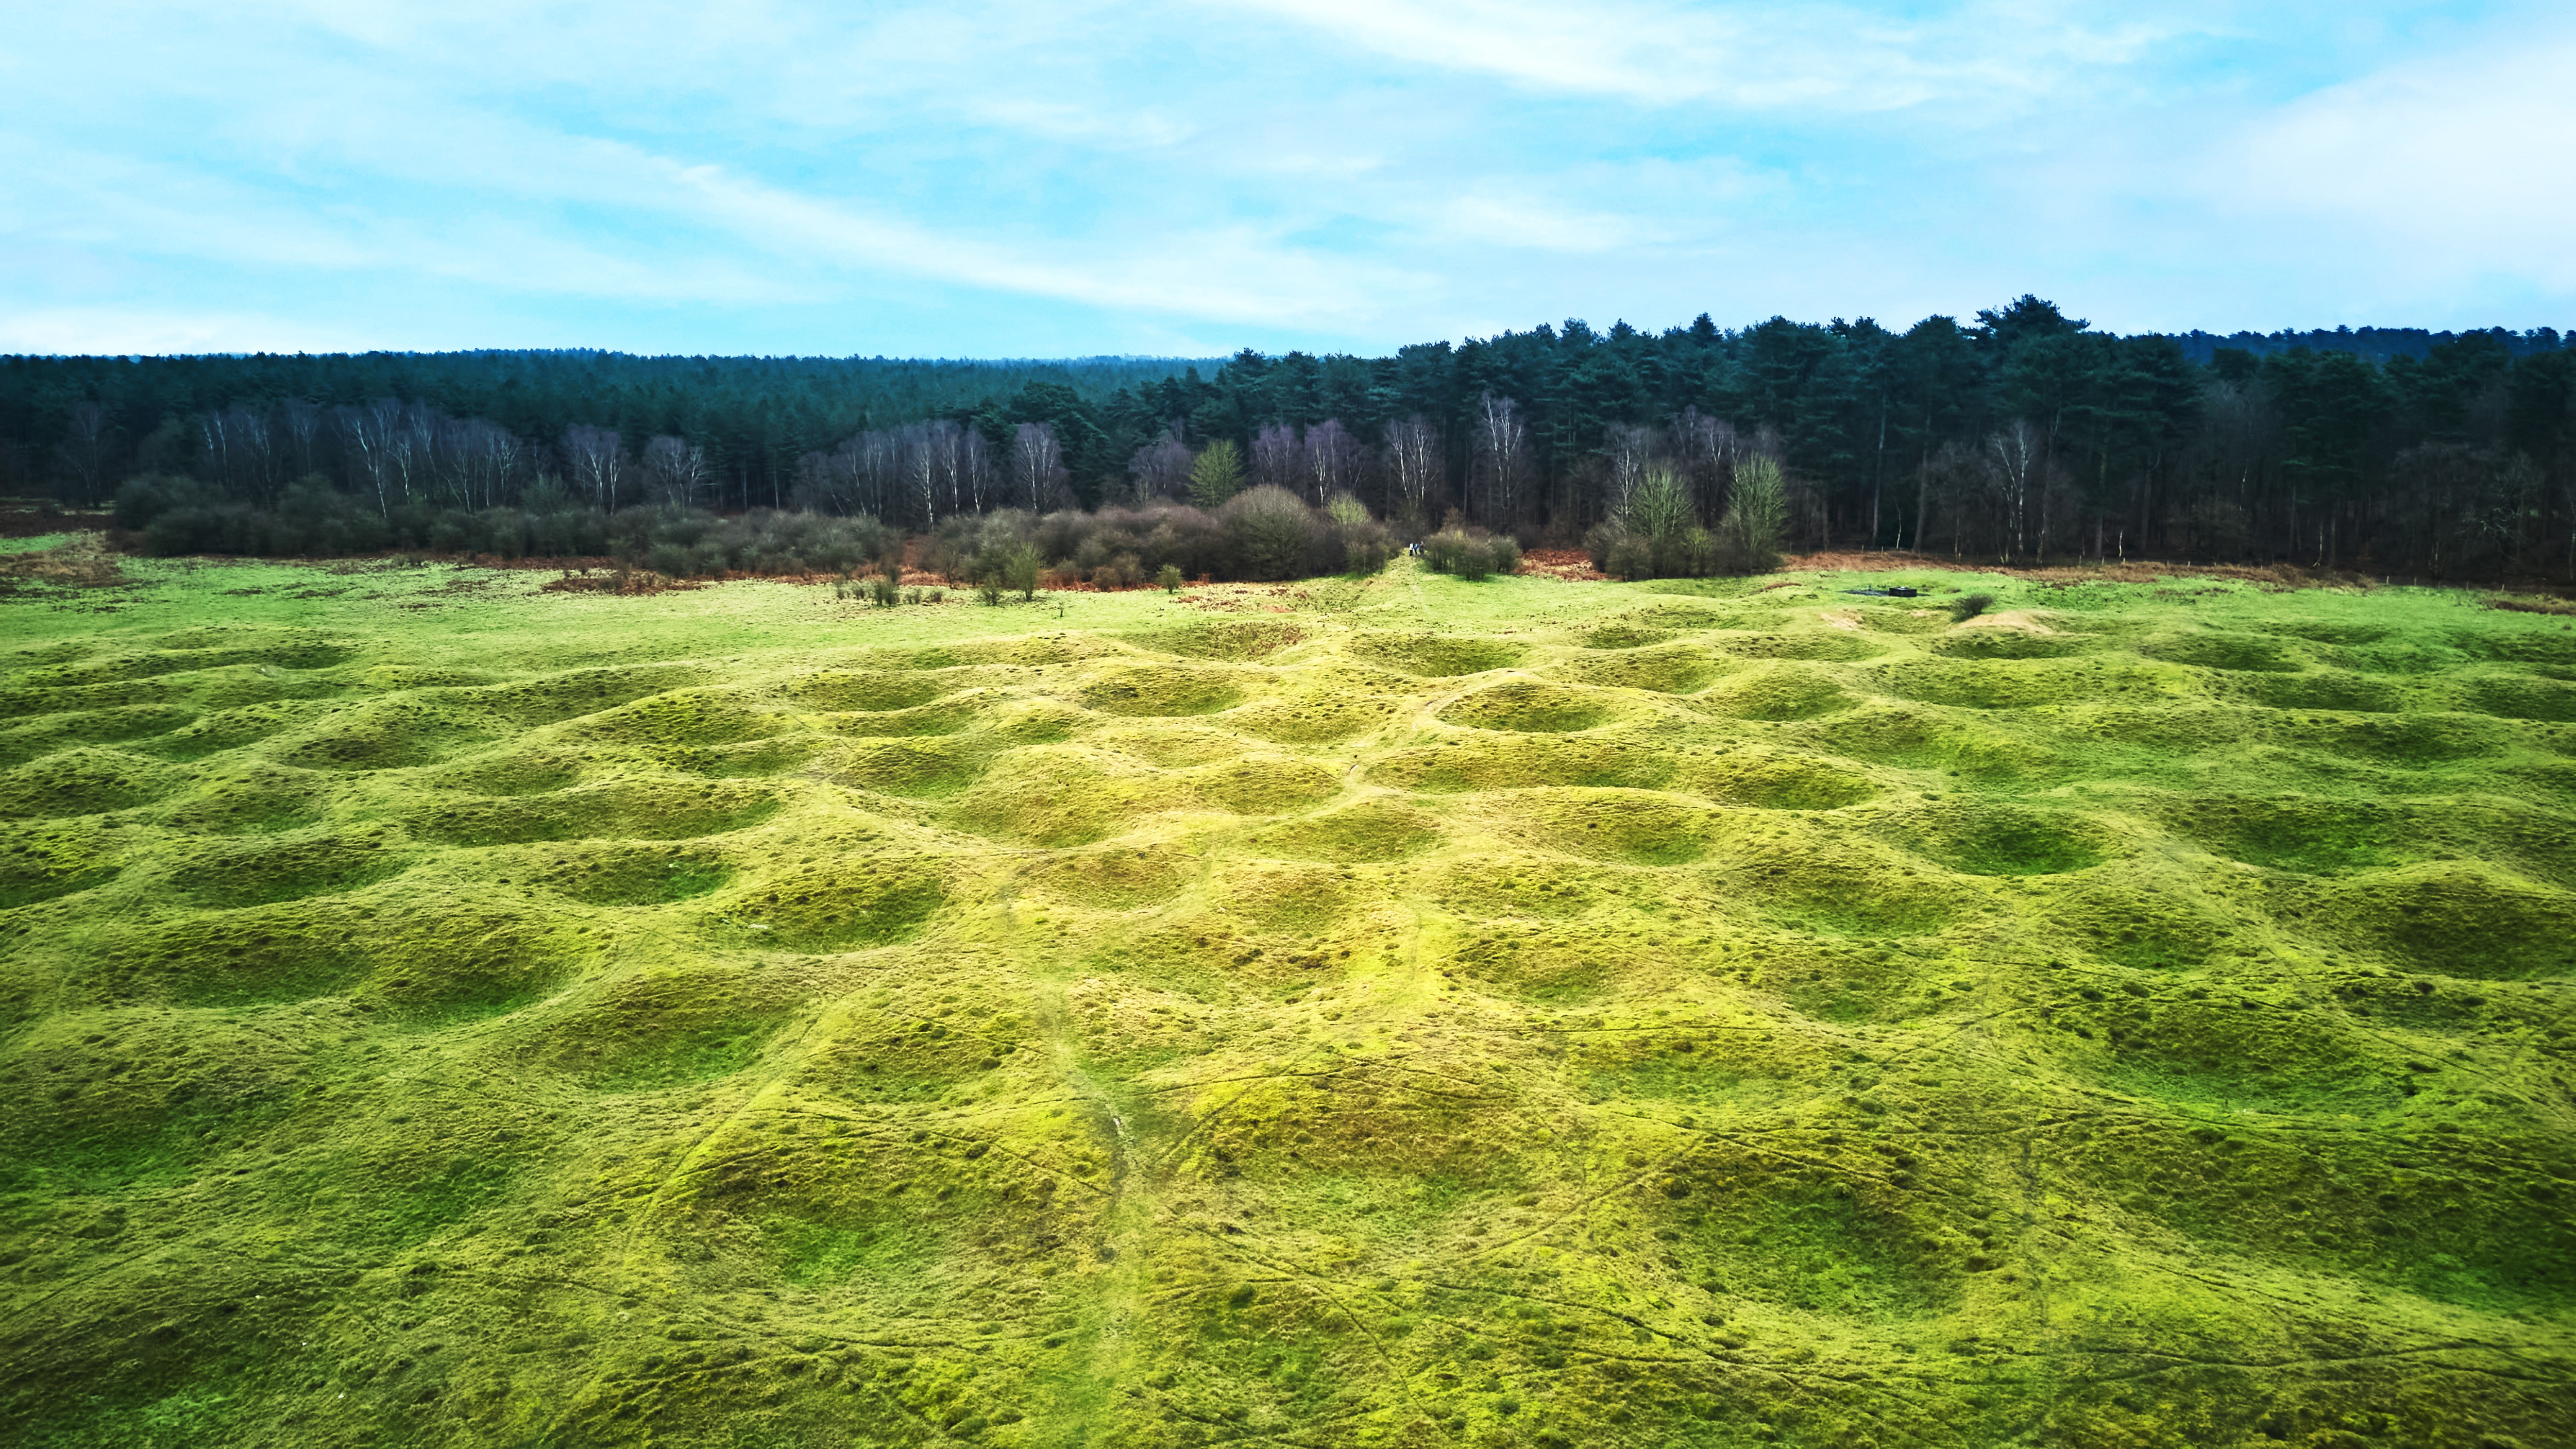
x=1418, y=1013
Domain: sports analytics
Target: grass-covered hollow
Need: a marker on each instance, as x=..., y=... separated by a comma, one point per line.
x=1417, y=1012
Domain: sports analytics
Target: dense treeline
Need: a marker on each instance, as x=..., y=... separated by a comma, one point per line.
x=2025, y=436
x=314, y=520
x=2379, y=344
x=80, y=424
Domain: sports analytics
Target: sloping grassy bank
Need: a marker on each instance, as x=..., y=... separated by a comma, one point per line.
x=1404, y=1011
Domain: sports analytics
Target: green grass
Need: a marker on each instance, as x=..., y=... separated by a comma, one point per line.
x=1402, y=1012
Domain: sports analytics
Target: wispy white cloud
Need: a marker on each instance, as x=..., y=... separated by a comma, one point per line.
x=482, y=194
x=1007, y=176
x=1087, y=125
x=1523, y=221
x=1826, y=57
x=1230, y=273
x=125, y=331
x=70, y=199
x=2465, y=162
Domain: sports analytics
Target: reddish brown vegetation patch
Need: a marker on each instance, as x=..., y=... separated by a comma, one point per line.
x=1570, y=564
x=83, y=563
x=2140, y=571
x=620, y=581
x=1244, y=598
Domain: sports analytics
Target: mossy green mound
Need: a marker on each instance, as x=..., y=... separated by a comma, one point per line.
x=1781, y=693
x=83, y=781
x=871, y=690
x=637, y=875
x=1434, y=656
x=1623, y=634
x=1150, y=690
x=1370, y=830
x=649, y=809
x=1529, y=708
x=1665, y=669
x=1409, y=1012
x=1232, y=639
x=284, y=868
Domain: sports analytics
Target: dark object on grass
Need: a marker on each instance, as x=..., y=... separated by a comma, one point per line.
x=1969, y=606
x=1898, y=592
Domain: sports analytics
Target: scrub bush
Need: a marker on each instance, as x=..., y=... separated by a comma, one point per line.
x=1263, y=533
x=1470, y=553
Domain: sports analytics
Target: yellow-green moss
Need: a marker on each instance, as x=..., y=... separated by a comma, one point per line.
x=1409, y=1012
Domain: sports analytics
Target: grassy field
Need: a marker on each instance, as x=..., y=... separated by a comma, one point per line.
x=443, y=1012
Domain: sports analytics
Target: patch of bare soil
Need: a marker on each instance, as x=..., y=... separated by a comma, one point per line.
x=35, y=517
x=2533, y=605
x=618, y=581
x=2139, y=571
x=83, y=563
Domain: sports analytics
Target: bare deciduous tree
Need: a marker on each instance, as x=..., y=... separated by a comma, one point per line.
x=302, y=423
x=879, y=470
x=483, y=458
x=1503, y=459
x=1334, y=460
x=945, y=467
x=412, y=447
x=1037, y=466
x=1414, y=464
x=241, y=451
x=921, y=471
x=865, y=474
x=1161, y=468
x=1628, y=452
x=2014, y=464
x=363, y=444
x=86, y=452
x=594, y=462
x=1708, y=449
x=976, y=475
x=825, y=482
x=1278, y=457
x=675, y=470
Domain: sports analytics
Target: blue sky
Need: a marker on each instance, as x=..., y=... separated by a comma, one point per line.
x=999, y=179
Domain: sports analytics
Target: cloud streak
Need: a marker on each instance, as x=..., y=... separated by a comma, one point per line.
x=995, y=177
x=2465, y=163
x=1801, y=57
